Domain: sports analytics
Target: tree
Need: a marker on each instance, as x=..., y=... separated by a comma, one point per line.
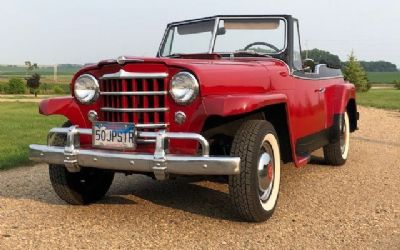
x=322, y=57
x=32, y=78
x=379, y=66
x=354, y=73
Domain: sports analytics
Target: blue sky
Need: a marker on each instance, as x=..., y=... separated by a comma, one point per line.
x=73, y=31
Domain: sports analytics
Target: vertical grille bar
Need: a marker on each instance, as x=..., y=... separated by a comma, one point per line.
x=145, y=102
x=135, y=100
x=156, y=102
x=124, y=100
x=111, y=86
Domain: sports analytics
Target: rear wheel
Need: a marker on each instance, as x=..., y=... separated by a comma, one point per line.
x=87, y=186
x=336, y=153
x=255, y=190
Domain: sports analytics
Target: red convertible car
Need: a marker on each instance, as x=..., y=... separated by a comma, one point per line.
x=225, y=95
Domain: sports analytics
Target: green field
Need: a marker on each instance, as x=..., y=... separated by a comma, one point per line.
x=21, y=125
x=380, y=98
x=21, y=70
x=383, y=77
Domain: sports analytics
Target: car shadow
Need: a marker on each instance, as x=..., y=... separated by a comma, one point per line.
x=190, y=194
x=318, y=160
x=187, y=194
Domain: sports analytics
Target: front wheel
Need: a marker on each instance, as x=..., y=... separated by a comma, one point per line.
x=255, y=190
x=84, y=187
x=336, y=153
x=87, y=186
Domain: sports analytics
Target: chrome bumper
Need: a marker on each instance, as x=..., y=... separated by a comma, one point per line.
x=160, y=163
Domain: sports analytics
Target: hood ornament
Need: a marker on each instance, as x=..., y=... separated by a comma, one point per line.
x=122, y=60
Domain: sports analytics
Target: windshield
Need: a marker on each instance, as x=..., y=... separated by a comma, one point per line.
x=189, y=38
x=259, y=35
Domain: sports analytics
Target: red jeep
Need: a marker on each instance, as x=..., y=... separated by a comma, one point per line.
x=226, y=95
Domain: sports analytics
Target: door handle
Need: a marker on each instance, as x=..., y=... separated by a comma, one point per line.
x=320, y=90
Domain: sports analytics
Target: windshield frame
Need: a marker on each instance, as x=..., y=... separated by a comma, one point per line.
x=217, y=20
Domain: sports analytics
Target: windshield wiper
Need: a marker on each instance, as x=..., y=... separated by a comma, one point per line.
x=249, y=52
x=175, y=55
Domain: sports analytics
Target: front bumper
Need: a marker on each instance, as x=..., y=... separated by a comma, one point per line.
x=160, y=163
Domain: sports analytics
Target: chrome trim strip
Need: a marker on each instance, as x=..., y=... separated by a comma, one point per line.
x=134, y=109
x=135, y=93
x=151, y=125
x=146, y=141
x=122, y=74
x=317, y=79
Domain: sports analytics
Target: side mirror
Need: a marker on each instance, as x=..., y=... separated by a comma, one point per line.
x=308, y=65
x=221, y=31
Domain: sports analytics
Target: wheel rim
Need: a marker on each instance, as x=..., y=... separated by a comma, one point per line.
x=266, y=172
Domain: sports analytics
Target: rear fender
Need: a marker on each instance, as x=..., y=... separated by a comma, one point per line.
x=341, y=96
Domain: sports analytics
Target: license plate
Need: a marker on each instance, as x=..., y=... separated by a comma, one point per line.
x=114, y=135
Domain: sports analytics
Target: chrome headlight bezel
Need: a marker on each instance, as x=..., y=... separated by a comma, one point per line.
x=86, y=89
x=189, y=92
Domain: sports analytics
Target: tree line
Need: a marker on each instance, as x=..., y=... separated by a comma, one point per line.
x=325, y=57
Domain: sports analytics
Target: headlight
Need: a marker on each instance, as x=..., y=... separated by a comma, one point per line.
x=86, y=89
x=184, y=88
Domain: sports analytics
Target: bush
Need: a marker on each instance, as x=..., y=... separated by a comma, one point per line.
x=58, y=90
x=15, y=86
x=397, y=84
x=3, y=88
x=65, y=88
x=44, y=88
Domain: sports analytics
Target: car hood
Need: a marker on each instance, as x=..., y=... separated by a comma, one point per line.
x=216, y=76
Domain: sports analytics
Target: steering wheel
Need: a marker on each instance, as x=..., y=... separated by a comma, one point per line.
x=262, y=43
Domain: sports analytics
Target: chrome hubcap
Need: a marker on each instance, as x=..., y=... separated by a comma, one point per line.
x=265, y=175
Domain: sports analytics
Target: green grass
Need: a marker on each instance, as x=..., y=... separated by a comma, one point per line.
x=21, y=125
x=383, y=77
x=380, y=98
x=15, y=97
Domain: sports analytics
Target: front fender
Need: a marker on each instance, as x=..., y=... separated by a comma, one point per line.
x=65, y=106
x=240, y=104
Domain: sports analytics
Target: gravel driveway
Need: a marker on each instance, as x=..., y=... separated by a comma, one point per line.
x=352, y=207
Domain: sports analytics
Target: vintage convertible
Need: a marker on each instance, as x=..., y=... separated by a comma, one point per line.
x=226, y=95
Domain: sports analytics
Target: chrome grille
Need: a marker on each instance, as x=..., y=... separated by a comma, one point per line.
x=139, y=98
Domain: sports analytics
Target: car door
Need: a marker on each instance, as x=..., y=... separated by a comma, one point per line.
x=309, y=92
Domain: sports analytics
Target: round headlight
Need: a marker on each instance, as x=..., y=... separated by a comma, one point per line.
x=184, y=88
x=86, y=89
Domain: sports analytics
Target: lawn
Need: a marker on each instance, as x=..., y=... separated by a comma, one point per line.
x=380, y=98
x=21, y=125
x=383, y=77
